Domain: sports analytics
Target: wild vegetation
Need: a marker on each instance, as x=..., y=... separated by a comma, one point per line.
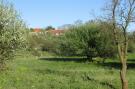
x=84, y=56
x=26, y=72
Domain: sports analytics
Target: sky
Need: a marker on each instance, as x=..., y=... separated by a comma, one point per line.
x=42, y=13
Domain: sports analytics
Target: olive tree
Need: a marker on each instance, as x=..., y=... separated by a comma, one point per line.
x=11, y=31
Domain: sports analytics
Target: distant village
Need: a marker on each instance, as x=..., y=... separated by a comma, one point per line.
x=49, y=29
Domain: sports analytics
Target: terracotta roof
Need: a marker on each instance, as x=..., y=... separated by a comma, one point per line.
x=37, y=30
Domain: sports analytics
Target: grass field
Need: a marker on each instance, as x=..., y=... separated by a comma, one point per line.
x=28, y=72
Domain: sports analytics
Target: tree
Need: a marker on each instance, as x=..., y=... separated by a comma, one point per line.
x=122, y=13
x=106, y=47
x=49, y=28
x=11, y=31
x=91, y=39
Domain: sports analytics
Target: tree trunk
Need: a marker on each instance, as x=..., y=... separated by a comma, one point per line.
x=123, y=76
x=122, y=55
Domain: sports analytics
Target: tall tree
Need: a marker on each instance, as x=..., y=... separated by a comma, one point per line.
x=122, y=13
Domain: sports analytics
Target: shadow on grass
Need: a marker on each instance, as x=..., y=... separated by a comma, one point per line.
x=117, y=65
x=131, y=60
x=65, y=59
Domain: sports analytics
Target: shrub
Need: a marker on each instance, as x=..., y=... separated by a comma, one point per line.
x=91, y=39
x=11, y=32
x=42, y=42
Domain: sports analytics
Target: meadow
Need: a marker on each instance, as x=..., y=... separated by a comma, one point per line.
x=28, y=72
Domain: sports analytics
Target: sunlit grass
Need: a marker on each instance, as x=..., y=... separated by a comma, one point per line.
x=27, y=72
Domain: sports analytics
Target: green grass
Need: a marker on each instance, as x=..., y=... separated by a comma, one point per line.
x=27, y=72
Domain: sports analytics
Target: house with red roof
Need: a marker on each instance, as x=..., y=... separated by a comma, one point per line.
x=37, y=30
x=54, y=32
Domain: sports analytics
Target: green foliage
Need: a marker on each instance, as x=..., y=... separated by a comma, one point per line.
x=131, y=42
x=49, y=28
x=131, y=46
x=78, y=39
x=11, y=31
x=105, y=45
x=91, y=39
x=42, y=42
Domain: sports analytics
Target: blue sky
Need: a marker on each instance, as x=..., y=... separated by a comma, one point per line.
x=41, y=13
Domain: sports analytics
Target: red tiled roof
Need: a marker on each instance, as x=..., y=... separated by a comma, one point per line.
x=37, y=30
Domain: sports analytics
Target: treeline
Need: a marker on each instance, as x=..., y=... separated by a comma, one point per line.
x=90, y=39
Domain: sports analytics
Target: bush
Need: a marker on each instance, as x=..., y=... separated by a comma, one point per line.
x=91, y=39
x=11, y=32
x=42, y=42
